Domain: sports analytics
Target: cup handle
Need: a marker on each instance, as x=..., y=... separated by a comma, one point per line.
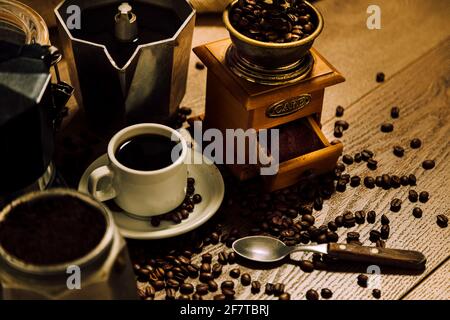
x=95, y=177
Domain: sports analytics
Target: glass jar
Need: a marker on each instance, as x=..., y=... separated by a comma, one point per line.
x=105, y=272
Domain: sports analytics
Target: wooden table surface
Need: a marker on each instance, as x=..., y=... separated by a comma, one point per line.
x=413, y=50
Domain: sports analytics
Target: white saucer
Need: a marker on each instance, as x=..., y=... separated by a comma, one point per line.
x=208, y=183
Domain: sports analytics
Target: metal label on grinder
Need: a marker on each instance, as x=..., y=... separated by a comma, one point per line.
x=287, y=107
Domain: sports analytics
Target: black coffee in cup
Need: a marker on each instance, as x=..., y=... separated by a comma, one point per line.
x=147, y=152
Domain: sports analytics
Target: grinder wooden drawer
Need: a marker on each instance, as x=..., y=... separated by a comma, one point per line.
x=319, y=161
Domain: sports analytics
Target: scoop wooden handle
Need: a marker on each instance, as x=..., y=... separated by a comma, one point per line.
x=380, y=256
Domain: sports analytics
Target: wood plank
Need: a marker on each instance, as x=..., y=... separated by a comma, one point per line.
x=435, y=287
x=421, y=91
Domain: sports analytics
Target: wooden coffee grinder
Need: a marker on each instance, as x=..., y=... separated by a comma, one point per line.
x=252, y=84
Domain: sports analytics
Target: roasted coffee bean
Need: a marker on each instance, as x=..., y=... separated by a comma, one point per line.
x=396, y=205
x=235, y=273
x=155, y=221
x=372, y=164
x=376, y=293
x=206, y=258
x=184, y=297
x=415, y=143
x=339, y=220
x=442, y=221
x=186, y=288
x=170, y=294
x=284, y=296
x=371, y=216
x=374, y=235
x=256, y=287
x=395, y=112
x=379, y=181
x=352, y=236
x=205, y=267
x=318, y=203
x=321, y=239
x=395, y=181
x=417, y=212
x=269, y=289
x=358, y=157
x=150, y=291
x=205, y=277
x=312, y=294
x=309, y=219
x=384, y=220
x=340, y=166
x=231, y=258
x=246, y=279
x=385, y=230
x=360, y=217
x=399, y=151
x=219, y=297
x=338, y=131
x=339, y=111
x=342, y=123
x=197, y=198
x=387, y=127
x=413, y=196
x=349, y=220
x=199, y=66
x=278, y=289
x=380, y=77
x=428, y=164
x=347, y=159
x=341, y=185
x=386, y=181
x=355, y=181
x=229, y=293
x=305, y=209
x=202, y=289
x=404, y=181
x=217, y=269
x=332, y=226
x=362, y=280
x=158, y=285
x=227, y=284
x=222, y=258
x=369, y=182
x=366, y=154
x=196, y=296
x=412, y=180
x=306, y=266
x=424, y=196
x=332, y=236
x=212, y=286
x=326, y=293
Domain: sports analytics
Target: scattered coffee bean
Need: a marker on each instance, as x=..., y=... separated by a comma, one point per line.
x=197, y=198
x=338, y=131
x=269, y=289
x=374, y=235
x=228, y=293
x=212, y=286
x=170, y=294
x=342, y=123
x=278, y=289
x=217, y=269
x=206, y=258
x=362, y=280
x=387, y=127
x=376, y=293
x=326, y=293
x=231, y=258
x=332, y=226
x=186, y=111
x=227, y=284
x=381, y=244
x=205, y=277
x=202, y=289
x=372, y=164
x=380, y=77
x=222, y=258
x=312, y=294
x=306, y=266
x=395, y=112
x=424, y=196
x=385, y=230
x=360, y=217
x=399, y=151
x=395, y=181
x=379, y=181
x=358, y=157
x=219, y=297
x=186, y=288
x=417, y=212
x=155, y=221
x=415, y=143
x=371, y=216
x=246, y=279
x=384, y=220
x=339, y=220
x=339, y=111
x=284, y=296
x=428, y=164
x=347, y=159
x=369, y=182
x=442, y=221
x=256, y=287
x=308, y=218
x=332, y=236
x=413, y=196
x=235, y=273
x=366, y=154
x=396, y=205
x=412, y=180
x=404, y=181
x=199, y=66
x=352, y=236
x=355, y=181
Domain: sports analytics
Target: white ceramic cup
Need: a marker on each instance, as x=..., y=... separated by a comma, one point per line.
x=143, y=193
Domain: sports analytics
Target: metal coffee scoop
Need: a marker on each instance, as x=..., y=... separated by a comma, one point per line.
x=126, y=29
x=267, y=249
